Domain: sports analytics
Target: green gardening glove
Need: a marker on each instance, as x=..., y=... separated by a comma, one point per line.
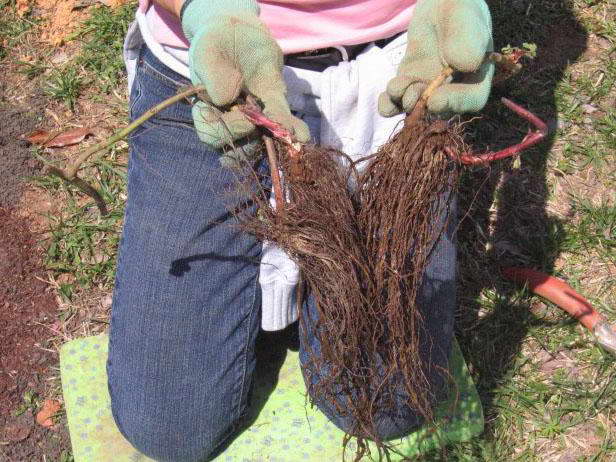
x=232, y=50
x=457, y=33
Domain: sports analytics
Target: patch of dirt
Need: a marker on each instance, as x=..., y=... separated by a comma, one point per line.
x=550, y=363
x=34, y=205
x=27, y=309
x=580, y=442
x=90, y=312
x=588, y=185
x=64, y=16
x=16, y=161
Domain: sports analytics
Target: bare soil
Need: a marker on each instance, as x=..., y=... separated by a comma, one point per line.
x=16, y=161
x=27, y=306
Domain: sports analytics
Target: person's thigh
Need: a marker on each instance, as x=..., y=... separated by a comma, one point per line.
x=186, y=304
x=437, y=303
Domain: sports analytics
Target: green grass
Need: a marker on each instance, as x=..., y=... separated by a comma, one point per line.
x=31, y=69
x=98, y=65
x=596, y=229
x=30, y=402
x=82, y=243
x=66, y=456
x=12, y=27
x=103, y=36
x=520, y=217
x=65, y=85
x=82, y=247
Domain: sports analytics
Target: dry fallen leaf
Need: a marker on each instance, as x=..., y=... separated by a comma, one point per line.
x=67, y=138
x=49, y=409
x=38, y=136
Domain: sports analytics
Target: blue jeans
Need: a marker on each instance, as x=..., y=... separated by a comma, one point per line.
x=186, y=305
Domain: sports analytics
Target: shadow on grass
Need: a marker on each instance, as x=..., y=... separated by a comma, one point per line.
x=506, y=221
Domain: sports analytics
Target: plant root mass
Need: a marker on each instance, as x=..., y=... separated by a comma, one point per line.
x=362, y=234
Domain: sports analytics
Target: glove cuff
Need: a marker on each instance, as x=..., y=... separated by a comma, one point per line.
x=279, y=305
x=196, y=13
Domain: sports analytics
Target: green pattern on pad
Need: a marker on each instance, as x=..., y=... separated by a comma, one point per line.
x=284, y=427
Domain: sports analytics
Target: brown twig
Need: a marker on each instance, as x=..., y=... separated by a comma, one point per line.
x=273, y=164
x=72, y=171
x=82, y=185
x=253, y=112
x=70, y=175
x=507, y=65
x=420, y=107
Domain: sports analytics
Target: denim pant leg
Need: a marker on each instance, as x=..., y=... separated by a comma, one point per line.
x=437, y=304
x=186, y=304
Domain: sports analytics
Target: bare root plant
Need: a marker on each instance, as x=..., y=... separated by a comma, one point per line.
x=362, y=252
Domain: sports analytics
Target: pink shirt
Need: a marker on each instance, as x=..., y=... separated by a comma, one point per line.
x=301, y=25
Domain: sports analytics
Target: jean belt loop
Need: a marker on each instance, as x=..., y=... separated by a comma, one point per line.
x=343, y=51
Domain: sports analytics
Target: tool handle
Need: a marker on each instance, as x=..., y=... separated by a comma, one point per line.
x=558, y=292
